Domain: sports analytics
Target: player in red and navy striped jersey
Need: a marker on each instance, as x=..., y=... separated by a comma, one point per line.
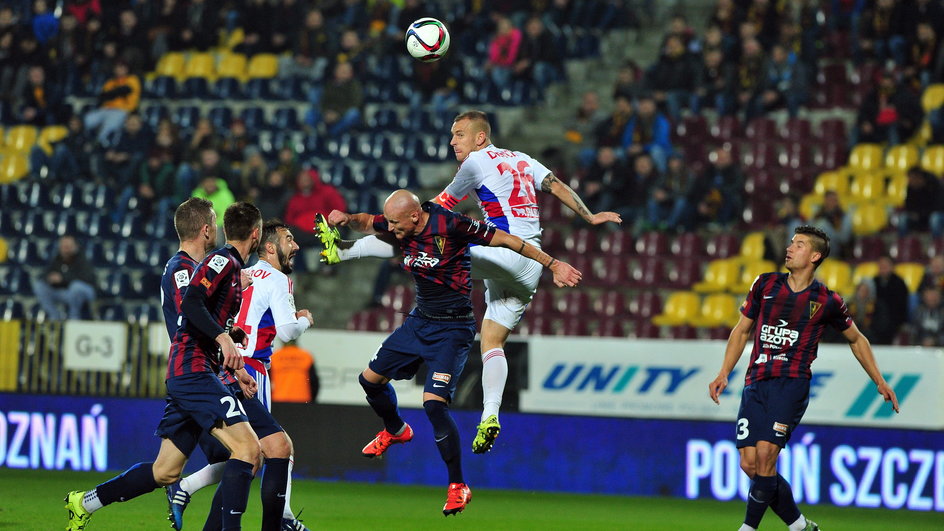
x=791, y=311
x=440, y=329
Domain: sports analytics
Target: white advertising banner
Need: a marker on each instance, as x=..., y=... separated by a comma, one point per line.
x=340, y=357
x=669, y=380
x=94, y=345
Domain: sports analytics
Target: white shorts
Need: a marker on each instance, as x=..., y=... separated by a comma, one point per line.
x=260, y=372
x=510, y=282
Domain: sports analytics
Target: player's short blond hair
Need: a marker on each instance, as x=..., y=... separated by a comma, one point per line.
x=479, y=120
x=191, y=216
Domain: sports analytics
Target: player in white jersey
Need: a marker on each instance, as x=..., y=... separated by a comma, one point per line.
x=504, y=183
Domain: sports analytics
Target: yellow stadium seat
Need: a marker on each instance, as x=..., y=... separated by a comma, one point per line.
x=263, y=65
x=837, y=275
x=13, y=167
x=867, y=186
x=21, y=137
x=720, y=275
x=901, y=157
x=752, y=246
x=50, y=135
x=234, y=38
x=869, y=218
x=863, y=271
x=897, y=190
x=810, y=204
x=912, y=273
x=866, y=157
x=4, y=250
x=832, y=180
x=717, y=309
x=932, y=160
x=171, y=64
x=232, y=65
x=923, y=135
x=933, y=97
x=680, y=308
x=750, y=272
x=200, y=65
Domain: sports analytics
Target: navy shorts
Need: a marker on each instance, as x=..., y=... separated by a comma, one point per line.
x=443, y=345
x=196, y=402
x=771, y=410
x=261, y=420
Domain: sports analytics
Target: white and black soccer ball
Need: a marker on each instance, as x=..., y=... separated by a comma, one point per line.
x=427, y=39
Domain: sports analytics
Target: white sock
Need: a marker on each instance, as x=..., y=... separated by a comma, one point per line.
x=208, y=475
x=745, y=527
x=90, y=501
x=799, y=525
x=494, y=374
x=287, y=511
x=367, y=247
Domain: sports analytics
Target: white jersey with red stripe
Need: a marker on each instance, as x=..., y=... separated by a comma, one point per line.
x=504, y=184
x=267, y=304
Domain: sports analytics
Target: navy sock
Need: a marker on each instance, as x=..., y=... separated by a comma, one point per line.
x=783, y=504
x=214, y=521
x=447, y=437
x=274, y=480
x=137, y=480
x=383, y=398
x=763, y=491
x=237, y=475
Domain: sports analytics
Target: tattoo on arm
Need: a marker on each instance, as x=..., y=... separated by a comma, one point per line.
x=547, y=183
x=581, y=208
x=522, y=247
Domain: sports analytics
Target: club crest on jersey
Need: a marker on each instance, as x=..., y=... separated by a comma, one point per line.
x=442, y=377
x=217, y=263
x=440, y=243
x=420, y=260
x=181, y=278
x=814, y=307
x=205, y=283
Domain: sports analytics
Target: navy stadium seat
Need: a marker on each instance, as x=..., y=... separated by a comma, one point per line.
x=67, y=222
x=11, y=309
x=7, y=226
x=342, y=147
x=27, y=253
x=227, y=88
x=117, y=283
x=340, y=175
x=254, y=118
x=14, y=280
x=114, y=311
x=146, y=313
x=285, y=118
x=163, y=87
x=186, y=116
x=197, y=88
x=384, y=120
x=291, y=88
x=259, y=89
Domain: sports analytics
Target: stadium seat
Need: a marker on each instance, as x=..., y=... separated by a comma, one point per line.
x=932, y=160
x=542, y=303
x=552, y=240
x=609, y=327
x=407, y=175
x=221, y=117
x=936, y=247
x=896, y=190
x=581, y=241
x=864, y=271
x=932, y=97
x=227, y=88
x=831, y=155
x=809, y=205
x=254, y=118
x=833, y=131
x=868, y=248
x=908, y=249
x=749, y=272
x=292, y=88
x=867, y=186
x=573, y=328
x=799, y=156
x=610, y=303
x=837, y=275
x=113, y=311
x=680, y=308
x=869, y=218
x=685, y=273
x=263, y=65
x=688, y=245
x=652, y=243
x=13, y=167
x=21, y=137
x=762, y=129
x=232, y=65
x=717, y=309
x=645, y=329
x=574, y=304
x=11, y=309
x=200, y=64
x=912, y=273
x=399, y=298
x=614, y=271
x=645, y=305
x=692, y=129
x=763, y=185
x=649, y=272
x=901, y=157
x=832, y=181
x=753, y=247
x=536, y=325
x=154, y=113
x=727, y=128
x=720, y=275
x=195, y=88
x=363, y=321
x=259, y=89
x=615, y=243
x=171, y=64
x=798, y=130
x=186, y=116
x=285, y=118
x=866, y=157
x=162, y=87
x=723, y=245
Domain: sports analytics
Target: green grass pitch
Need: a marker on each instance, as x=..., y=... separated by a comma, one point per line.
x=32, y=500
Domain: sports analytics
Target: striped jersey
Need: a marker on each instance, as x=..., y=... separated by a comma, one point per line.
x=504, y=184
x=215, y=286
x=267, y=303
x=439, y=259
x=176, y=278
x=789, y=325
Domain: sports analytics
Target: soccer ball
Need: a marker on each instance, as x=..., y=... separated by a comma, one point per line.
x=427, y=39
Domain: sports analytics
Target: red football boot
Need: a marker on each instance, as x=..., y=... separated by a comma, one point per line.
x=384, y=439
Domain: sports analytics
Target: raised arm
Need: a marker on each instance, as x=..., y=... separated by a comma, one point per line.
x=565, y=194
x=363, y=223
x=564, y=273
x=862, y=350
x=738, y=338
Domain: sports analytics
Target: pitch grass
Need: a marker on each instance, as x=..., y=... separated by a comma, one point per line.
x=32, y=500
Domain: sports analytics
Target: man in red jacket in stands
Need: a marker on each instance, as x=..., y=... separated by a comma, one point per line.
x=311, y=197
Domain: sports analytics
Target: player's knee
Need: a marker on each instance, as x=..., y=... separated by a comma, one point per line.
x=276, y=446
x=748, y=468
x=249, y=451
x=369, y=387
x=165, y=475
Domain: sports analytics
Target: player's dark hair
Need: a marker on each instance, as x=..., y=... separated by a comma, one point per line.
x=239, y=220
x=270, y=233
x=818, y=238
x=191, y=216
x=477, y=116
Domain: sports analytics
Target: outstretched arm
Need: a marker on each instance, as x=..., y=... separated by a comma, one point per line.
x=732, y=353
x=569, y=197
x=363, y=223
x=862, y=350
x=564, y=273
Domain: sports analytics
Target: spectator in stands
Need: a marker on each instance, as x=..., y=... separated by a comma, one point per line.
x=69, y=160
x=157, y=186
x=341, y=103
x=608, y=172
x=891, y=303
x=251, y=179
x=235, y=142
x=312, y=45
x=8, y=63
x=119, y=163
x=208, y=164
x=69, y=280
x=629, y=83
x=609, y=132
x=503, y=52
x=45, y=24
x=311, y=197
x=167, y=142
x=216, y=191
x=835, y=222
x=119, y=96
x=673, y=77
x=717, y=196
x=648, y=132
x=800, y=47
x=934, y=274
x=927, y=323
x=164, y=21
x=258, y=27
x=766, y=15
x=83, y=10
x=714, y=85
x=352, y=50
x=665, y=206
x=71, y=63
x=784, y=84
x=274, y=195
x=199, y=30
x=435, y=85
x=679, y=28
x=287, y=162
x=538, y=57
x=204, y=136
x=879, y=38
x=924, y=204
x=788, y=216
x=627, y=197
x=132, y=41
x=862, y=306
x=925, y=60
x=580, y=131
x=890, y=113
x=749, y=75
x=40, y=102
